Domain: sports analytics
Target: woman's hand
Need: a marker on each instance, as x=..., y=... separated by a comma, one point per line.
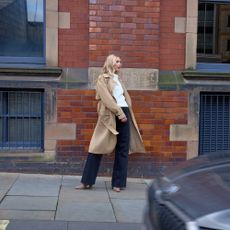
x=124, y=119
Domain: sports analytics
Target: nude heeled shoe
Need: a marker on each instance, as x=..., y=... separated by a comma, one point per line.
x=116, y=189
x=83, y=186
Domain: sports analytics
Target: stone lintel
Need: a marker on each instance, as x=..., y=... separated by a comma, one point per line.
x=133, y=78
x=77, y=75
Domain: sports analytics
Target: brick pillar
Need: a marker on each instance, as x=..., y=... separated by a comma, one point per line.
x=73, y=42
x=172, y=45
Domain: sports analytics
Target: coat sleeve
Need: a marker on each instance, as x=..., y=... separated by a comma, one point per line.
x=107, y=99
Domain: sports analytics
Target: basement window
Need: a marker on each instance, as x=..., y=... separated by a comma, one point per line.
x=214, y=122
x=21, y=120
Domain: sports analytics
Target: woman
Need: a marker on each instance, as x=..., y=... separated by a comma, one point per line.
x=116, y=128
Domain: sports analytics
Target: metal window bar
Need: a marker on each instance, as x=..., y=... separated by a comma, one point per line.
x=214, y=122
x=21, y=120
x=207, y=16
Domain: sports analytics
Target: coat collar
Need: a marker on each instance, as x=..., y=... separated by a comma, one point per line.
x=106, y=75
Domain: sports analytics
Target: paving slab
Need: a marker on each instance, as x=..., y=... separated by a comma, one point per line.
x=54, y=197
x=26, y=215
x=29, y=203
x=36, y=185
x=91, y=195
x=62, y=225
x=73, y=181
x=7, y=180
x=129, y=211
x=2, y=194
x=135, y=180
x=37, y=225
x=132, y=191
x=70, y=181
x=85, y=211
x=104, y=226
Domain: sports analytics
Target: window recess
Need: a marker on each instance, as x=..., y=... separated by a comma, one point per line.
x=213, y=42
x=21, y=120
x=22, y=32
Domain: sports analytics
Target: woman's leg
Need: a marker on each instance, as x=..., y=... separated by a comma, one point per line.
x=120, y=167
x=91, y=169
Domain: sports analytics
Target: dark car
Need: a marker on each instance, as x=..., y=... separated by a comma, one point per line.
x=192, y=195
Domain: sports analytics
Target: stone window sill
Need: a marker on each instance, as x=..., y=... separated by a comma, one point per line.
x=205, y=76
x=45, y=74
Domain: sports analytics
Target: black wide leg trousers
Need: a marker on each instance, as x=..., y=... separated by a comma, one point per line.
x=120, y=165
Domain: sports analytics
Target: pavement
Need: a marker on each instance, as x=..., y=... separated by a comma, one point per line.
x=40, y=202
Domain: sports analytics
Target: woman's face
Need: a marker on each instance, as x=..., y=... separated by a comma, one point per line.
x=117, y=65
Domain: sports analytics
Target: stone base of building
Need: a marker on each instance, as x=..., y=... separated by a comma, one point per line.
x=135, y=170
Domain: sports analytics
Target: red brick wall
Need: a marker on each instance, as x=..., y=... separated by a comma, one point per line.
x=73, y=43
x=172, y=45
x=155, y=112
x=140, y=31
x=128, y=28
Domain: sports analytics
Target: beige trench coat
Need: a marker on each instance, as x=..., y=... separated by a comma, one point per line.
x=104, y=137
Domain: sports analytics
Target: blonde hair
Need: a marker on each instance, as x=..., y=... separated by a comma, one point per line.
x=108, y=66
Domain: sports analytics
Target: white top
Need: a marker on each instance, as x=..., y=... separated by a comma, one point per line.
x=118, y=92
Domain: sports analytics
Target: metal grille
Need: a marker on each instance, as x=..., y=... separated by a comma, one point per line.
x=21, y=120
x=169, y=220
x=163, y=217
x=206, y=32
x=214, y=122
